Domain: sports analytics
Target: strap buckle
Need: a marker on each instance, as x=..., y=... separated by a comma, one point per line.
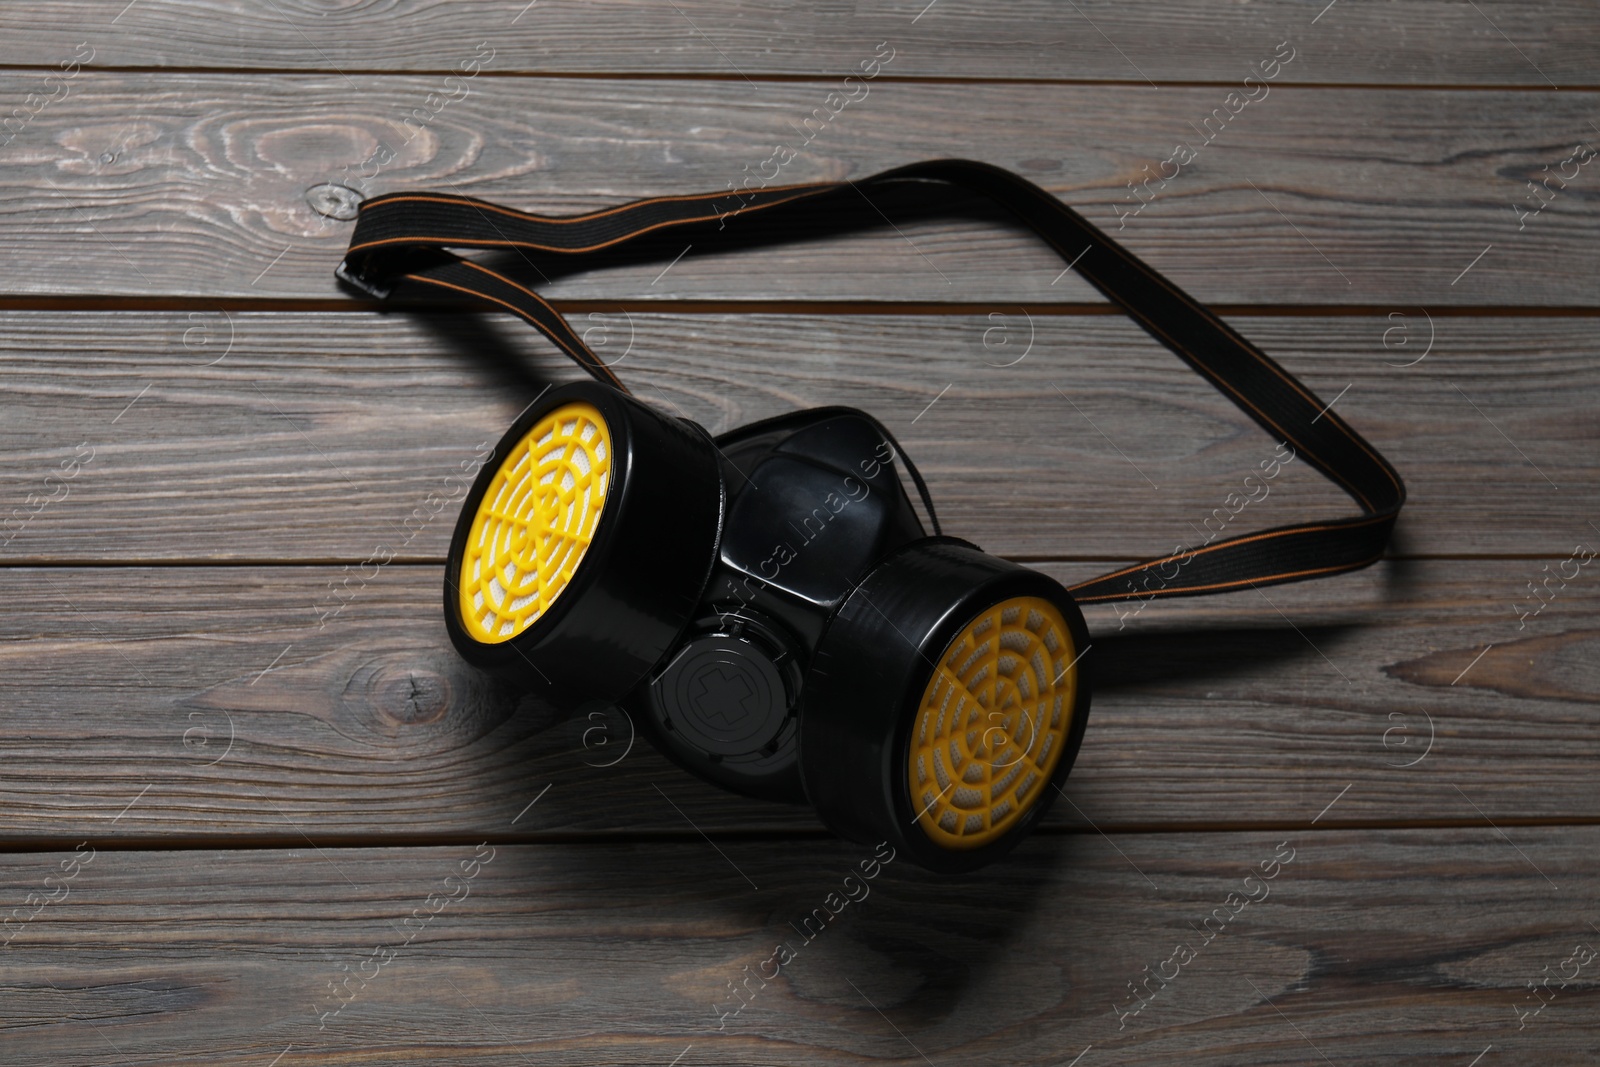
x=352, y=274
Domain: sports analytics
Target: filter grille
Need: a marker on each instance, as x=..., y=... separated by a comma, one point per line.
x=535, y=522
x=992, y=723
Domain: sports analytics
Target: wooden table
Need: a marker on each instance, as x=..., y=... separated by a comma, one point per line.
x=236, y=755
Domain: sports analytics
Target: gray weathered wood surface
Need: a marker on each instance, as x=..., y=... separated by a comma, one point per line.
x=313, y=436
x=271, y=787
x=1427, y=42
x=1377, y=946
x=156, y=183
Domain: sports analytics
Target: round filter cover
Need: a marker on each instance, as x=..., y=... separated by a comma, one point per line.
x=993, y=722
x=535, y=522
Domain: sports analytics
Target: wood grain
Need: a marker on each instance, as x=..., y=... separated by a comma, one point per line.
x=228, y=702
x=278, y=756
x=1379, y=947
x=314, y=437
x=1432, y=42
x=165, y=183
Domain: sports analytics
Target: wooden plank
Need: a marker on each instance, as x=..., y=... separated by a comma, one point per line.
x=316, y=436
x=1431, y=42
x=1369, y=947
x=162, y=183
x=232, y=702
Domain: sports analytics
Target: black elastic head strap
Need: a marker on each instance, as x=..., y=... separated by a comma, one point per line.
x=399, y=240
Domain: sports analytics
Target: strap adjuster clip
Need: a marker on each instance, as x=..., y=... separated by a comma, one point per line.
x=352, y=275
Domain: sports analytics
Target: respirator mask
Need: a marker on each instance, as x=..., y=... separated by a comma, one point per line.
x=767, y=604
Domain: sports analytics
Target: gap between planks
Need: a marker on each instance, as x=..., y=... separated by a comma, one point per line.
x=90, y=562
x=758, y=307
x=779, y=78
x=260, y=842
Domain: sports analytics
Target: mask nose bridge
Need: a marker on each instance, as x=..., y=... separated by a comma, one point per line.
x=811, y=508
